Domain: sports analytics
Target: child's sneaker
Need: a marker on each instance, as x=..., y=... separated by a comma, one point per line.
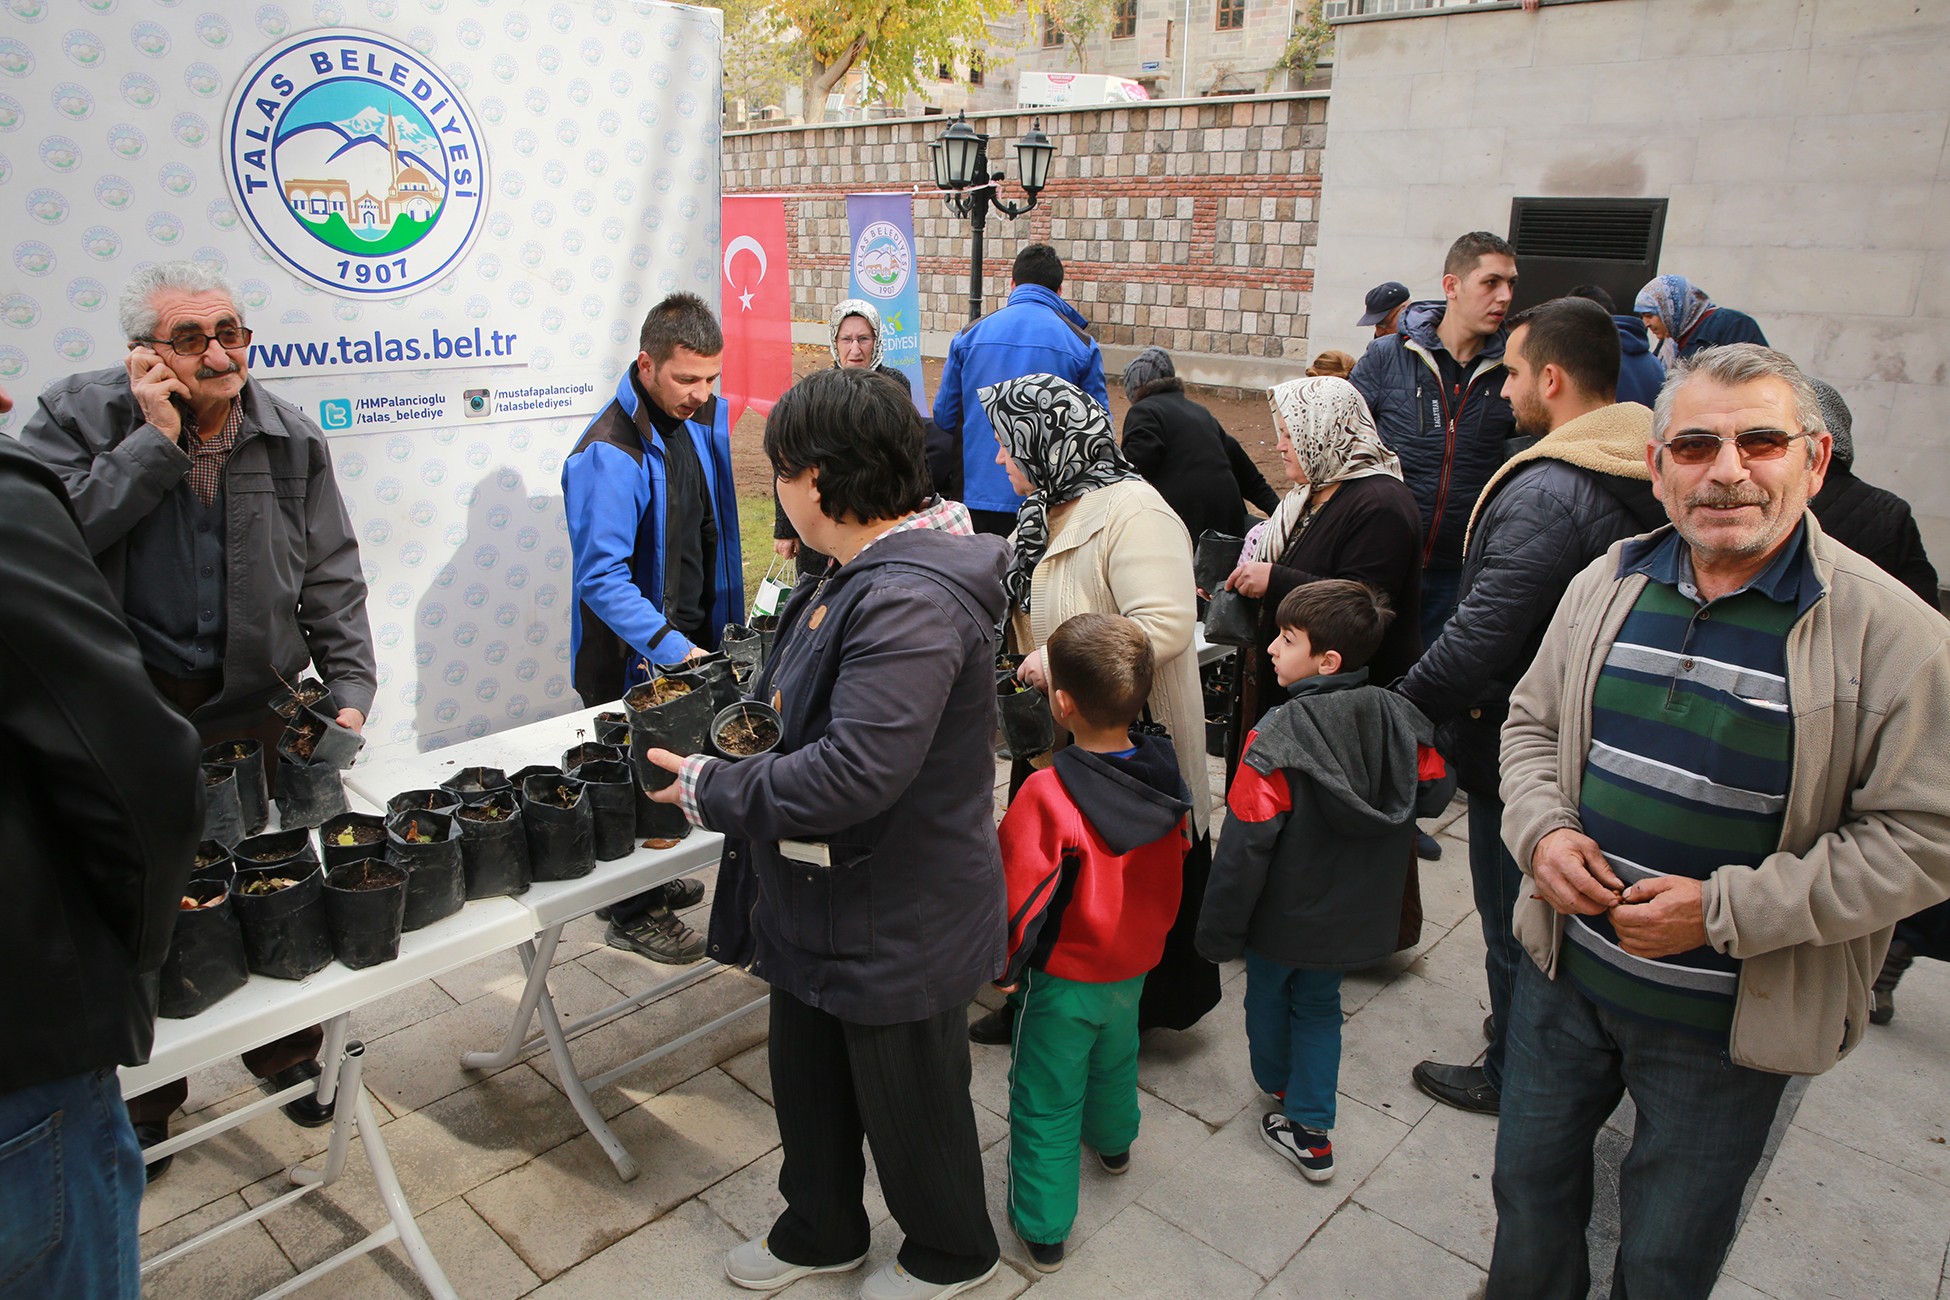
x=1117, y=1164
x=1310, y=1150
x=1045, y=1257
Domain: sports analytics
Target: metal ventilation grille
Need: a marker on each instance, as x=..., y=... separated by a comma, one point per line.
x=1604, y=230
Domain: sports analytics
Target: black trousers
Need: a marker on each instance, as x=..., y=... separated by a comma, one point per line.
x=998, y=523
x=904, y=1088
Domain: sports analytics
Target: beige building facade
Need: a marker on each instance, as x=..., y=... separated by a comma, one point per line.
x=1803, y=147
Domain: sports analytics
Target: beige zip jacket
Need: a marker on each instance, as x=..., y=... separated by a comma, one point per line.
x=1121, y=550
x=1866, y=837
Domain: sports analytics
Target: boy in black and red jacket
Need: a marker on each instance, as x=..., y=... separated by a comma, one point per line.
x=1094, y=851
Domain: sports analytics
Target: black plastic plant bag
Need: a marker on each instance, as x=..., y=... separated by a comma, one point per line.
x=309, y=795
x=591, y=751
x=438, y=800
x=274, y=849
x=1027, y=727
x=314, y=738
x=1214, y=559
x=247, y=756
x=223, y=809
x=493, y=846
x=365, y=906
x=285, y=934
x=426, y=845
x=205, y=963
x=351, y=837
x=472, y=781
x=560, y=822
x=612, y=805
x=745, y=729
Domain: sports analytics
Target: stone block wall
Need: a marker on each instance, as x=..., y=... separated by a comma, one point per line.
x=1188, y=225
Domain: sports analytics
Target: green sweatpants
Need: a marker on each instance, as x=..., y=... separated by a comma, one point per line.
x=1073, y=1079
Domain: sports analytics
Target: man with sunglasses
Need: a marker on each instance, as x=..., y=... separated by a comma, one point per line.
x=212, y=510
x=1724, y=776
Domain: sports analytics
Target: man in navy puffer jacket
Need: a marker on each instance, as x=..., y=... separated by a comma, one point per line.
x=1434, y=390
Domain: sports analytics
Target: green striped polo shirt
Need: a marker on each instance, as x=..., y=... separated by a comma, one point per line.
x=1688, y=769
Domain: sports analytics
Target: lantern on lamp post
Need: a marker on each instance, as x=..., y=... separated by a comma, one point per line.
x=961, y=171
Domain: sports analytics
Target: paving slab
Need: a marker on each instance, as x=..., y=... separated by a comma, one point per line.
x=227, y=1163
x=240, y=1264
x=678, y=1257
x=1411, y=1020
x=1436, y=1184
x=1236, y=1194
x=1202, y=1070
x=478, y=1264
x=568, y=1204
x=749, y=1200
x=1139, y=1254
x=462, y=1141
x=1360, y=1255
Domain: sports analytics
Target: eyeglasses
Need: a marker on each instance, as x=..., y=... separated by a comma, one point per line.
x=190, y=345
x=1753, y=444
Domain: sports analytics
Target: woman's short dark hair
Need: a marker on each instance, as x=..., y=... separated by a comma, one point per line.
x=858, y=428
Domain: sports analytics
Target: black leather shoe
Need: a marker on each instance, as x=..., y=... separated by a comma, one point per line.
x=996, y=1028
x=1489, y=1029
x=1461, y=1086
x=146, y=1136
x=305, y=1112
x=680, y=894
x=1427, y=847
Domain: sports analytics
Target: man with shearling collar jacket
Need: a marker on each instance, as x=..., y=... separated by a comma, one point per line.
x=212, y=509
x=1724, y=776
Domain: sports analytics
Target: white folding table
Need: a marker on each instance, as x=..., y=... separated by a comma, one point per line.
x=553, y=904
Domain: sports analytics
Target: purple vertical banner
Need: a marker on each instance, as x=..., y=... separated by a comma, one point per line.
x=884, y=274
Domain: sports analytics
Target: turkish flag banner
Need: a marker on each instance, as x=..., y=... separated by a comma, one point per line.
x=757, y=297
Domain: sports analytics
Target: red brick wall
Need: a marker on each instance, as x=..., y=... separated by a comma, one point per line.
x=1187, y=225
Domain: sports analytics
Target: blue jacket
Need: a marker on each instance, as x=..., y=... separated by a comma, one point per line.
x=1721, y=325
x=1449, y=445
x=613, y=493
x=1640, y=374
x=1037, y=333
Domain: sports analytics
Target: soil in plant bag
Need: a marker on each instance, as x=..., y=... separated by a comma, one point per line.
x=665, y=713
x=223, y=810
x=365, y=904
x=613, y=729
x=436, y=800
x=472, y=781
x=590, y=751
x=332, y=744
x=1027, y=727
x=612, y=805
x=561, y=825
x=520, y=776
x=493, y=845
x=426, y=846
x=211, y=857
x=276, y=849
x=282, y=911
x=352, y=837
x=307, y=693
x=205, y=962
x=307, y=795
x=247, y=756
x=744, y=729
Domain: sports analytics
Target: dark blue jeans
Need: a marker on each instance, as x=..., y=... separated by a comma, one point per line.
x=1701, y=1126
x=70, y=1189
x=1497, y=883
x=1440, y=589
x=1293, y=1036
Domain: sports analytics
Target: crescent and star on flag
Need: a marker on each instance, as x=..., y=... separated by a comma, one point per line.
x=744, y=244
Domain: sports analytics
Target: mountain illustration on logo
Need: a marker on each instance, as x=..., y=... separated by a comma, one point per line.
x=884, y=261
x=361, y=168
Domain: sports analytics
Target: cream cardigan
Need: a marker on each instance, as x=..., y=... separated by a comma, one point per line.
x=1122, y=550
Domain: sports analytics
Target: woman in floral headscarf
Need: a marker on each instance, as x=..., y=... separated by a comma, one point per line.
x=1093, y=537
x=1684, y=320
x=1349, y=515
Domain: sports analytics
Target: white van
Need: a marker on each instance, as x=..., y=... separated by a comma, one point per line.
x=1074, y=89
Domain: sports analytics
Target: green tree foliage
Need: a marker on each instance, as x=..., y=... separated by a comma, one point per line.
x=1081, y=21
x=759, y=60
x=1312, y=37
x=893, y=40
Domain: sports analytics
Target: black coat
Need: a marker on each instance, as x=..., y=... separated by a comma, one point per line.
x=1198, y=468
x=101, y=800
x=1877, y=524
x=884, y=673
x=1450, y=442
x=1540, y=527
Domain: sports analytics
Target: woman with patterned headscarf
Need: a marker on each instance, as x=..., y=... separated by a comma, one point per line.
x=1684, y=320
x=1349, y=515
x=1093, y=537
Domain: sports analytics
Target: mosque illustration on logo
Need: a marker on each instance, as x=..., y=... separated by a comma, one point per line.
x=363, y=184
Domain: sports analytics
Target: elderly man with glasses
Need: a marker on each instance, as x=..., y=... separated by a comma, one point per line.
x=1725, y=778
x=211, y=508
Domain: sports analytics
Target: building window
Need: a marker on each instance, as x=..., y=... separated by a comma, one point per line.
x=945, y=72
x=1123, y=24
x=1231, y=15
x=1052, y=33
x=975, y=69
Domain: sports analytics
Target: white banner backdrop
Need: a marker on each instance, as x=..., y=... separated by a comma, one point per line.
x=504, y=186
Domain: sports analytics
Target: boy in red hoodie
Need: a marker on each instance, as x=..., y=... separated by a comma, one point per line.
x=1094, y=850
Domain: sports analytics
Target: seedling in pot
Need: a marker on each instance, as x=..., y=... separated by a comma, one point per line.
x=207, y=858
x=350, y=836
x=559, y=795
x=300, y=697
x=744, y=729
x=365, y=875
x=660, y=691
x=199, y=894
x=235, y=751
x=483, y=812
x=268, y=885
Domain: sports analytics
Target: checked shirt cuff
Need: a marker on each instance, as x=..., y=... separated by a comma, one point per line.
x=687, y=779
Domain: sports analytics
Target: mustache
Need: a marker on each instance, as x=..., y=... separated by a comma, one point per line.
x=1722, y=497
x=205, y=372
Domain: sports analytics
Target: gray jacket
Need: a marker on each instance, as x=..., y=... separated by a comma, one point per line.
x=293, y=587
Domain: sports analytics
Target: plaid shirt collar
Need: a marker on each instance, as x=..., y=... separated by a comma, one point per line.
x=208, y=456
x=949, y=517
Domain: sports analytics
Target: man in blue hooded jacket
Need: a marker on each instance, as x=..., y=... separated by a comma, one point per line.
x=1037, y=333
x=1435, y=390
x=653, y=525
x=1640, y=374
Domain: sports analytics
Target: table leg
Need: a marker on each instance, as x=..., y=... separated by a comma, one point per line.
x=536, y=957
x=565, y=1069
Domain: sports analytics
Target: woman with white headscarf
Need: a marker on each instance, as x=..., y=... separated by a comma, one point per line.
x=1349, y=515
x=857, y=342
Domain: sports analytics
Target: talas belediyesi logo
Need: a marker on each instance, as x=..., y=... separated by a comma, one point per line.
x=355, y=162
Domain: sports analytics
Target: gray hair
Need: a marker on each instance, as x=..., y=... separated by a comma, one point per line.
x=1732, y=365
x=138, y=309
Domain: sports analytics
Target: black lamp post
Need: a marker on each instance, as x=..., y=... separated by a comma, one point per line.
x=961, y=167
